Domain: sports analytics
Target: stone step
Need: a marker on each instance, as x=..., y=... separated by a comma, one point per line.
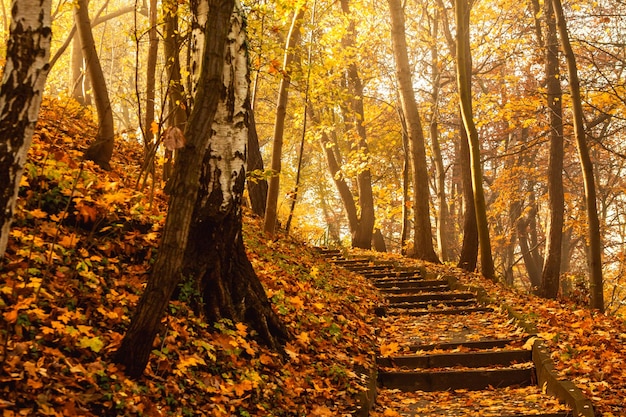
x=469, y=344
x=434, y=304
x=393, y=273
x=466, y=359
x=413, y=290
x=472, y=380
x=407, y=283
x=350, y=262
x=443, y=311
x=431, y=297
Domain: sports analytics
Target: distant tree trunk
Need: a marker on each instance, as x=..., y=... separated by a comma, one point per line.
x=596, y=282
x=378, y=241
x=335, y=172
x=423, y=237
x=101, y=150
x=257, y=186
x=469, y=248
x=362, y=236
x=271, y=208
x=153, y=50
x=23, y=80
x=550, y=277
x=406, y=167
x=463, y=59
x=443, y=233
x=208, y=227
x=176, y=103
x=78, y=73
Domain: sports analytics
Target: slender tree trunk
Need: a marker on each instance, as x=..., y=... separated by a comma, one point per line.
x=595, y=241
x=423, y=237
x=271, y=208
x=406, y=167
x=23, y=80
x=153, y=50
x=136, y=346
x=550, y=276
x=463, y=58
x=442, y=217
x=469, y=248
x=101, y=150
x=362, y=237
x=176, y=102
x=335, y=171
x=257, y=184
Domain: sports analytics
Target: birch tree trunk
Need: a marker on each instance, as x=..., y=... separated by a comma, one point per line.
x=136, y=346
x=596, y=282
x=203, y=231
x=23, y=80
x=423, y=236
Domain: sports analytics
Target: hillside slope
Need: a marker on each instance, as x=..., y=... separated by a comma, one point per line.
x=79, y=254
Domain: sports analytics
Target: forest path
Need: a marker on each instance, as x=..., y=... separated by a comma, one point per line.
x=443, y=352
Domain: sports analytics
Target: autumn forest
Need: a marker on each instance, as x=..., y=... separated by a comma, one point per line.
x=164, y=167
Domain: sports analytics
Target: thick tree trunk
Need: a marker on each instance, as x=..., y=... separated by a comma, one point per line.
x=271, y=208
x=463, y=59
x=23, y=81
x=423, y=236
x=137, y=343
x=101, y=150
x=406, y=167
x=596, y=281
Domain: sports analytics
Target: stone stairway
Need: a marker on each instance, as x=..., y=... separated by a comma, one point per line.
x=442, y=362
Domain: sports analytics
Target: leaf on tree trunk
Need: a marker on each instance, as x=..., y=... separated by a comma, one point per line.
x=173, y=138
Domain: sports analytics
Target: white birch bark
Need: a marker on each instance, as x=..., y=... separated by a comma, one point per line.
x=23, y=81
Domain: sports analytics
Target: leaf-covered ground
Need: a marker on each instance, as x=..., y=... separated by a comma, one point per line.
x=80, y=252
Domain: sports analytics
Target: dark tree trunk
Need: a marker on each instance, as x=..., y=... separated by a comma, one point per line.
x=469, y=248
x=136, y=346
x=362, y=235
x=101, y=150
x=175, y=93
x=422, y=237
x=257, y=184
x=23, y=80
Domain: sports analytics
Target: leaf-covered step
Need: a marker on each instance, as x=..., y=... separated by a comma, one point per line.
x=431, y=297
x=409, y=283
x=470, y=344
x=394, y=274
x=350, y=262
x=472, y=380
x=504, y=402
x=442, y=311
x=433, y=304
x=466, y=359
x=412, y=289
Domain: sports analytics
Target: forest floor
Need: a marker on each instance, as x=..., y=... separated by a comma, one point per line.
x=80, y=252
